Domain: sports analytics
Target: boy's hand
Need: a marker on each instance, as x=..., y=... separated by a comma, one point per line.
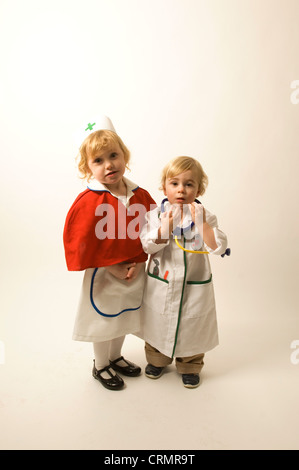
x=198, y=215
x=199, y=218
x=169, y=221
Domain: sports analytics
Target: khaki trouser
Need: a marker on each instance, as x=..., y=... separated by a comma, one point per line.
x=184, y=365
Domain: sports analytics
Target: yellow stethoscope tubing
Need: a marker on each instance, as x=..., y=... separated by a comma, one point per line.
x=189, y=251
x=176, y=238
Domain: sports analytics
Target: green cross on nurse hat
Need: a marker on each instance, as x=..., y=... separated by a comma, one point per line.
x=100, y=123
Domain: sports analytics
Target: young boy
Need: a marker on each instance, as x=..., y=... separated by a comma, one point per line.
x=178, y=311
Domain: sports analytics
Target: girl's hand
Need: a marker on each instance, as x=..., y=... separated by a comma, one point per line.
x=134, y=271
x=121, y=270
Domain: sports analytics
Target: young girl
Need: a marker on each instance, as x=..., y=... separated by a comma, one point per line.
x=178, y=313
x=101, y=237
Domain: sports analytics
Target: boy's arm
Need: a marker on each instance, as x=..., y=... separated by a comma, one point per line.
x=209, y=236
x=219, y=236
x=150, y=236
x=214, y=239
x=159, y=238
x=168, y=221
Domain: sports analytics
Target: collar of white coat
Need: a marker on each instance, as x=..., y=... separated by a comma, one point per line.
x=187, y=221
x=95, y=185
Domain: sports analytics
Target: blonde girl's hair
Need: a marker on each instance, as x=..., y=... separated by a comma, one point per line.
x=94, y=143
x=179, y=165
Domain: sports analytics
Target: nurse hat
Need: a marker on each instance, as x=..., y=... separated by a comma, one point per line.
x=101, y=123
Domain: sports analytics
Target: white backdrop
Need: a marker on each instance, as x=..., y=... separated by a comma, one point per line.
x=210, y=79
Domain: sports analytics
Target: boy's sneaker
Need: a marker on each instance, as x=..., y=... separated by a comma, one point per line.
x=153, y=372
x=190, y=380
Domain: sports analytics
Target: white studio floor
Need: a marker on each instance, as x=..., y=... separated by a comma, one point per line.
x=248, y=398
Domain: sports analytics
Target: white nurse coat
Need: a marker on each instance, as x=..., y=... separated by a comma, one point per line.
x=108, y=307
x=178, y=313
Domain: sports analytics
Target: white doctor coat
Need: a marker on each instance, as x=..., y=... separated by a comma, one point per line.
x=178, y=313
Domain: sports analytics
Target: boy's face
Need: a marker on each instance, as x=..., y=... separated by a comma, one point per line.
x=181, y=189
x=108, y=165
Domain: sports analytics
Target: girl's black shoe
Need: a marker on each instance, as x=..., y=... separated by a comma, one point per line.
x=113, y=383
x=130, y=369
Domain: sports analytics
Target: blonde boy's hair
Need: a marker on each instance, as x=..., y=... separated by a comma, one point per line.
x=93, y=144
x=179, y=165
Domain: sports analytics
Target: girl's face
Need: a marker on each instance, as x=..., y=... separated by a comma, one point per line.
x=181, y=189
x=108, y=166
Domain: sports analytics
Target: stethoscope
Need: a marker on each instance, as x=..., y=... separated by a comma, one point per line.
x=178, y=231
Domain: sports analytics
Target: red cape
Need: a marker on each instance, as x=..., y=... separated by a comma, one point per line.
x=83, y=248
